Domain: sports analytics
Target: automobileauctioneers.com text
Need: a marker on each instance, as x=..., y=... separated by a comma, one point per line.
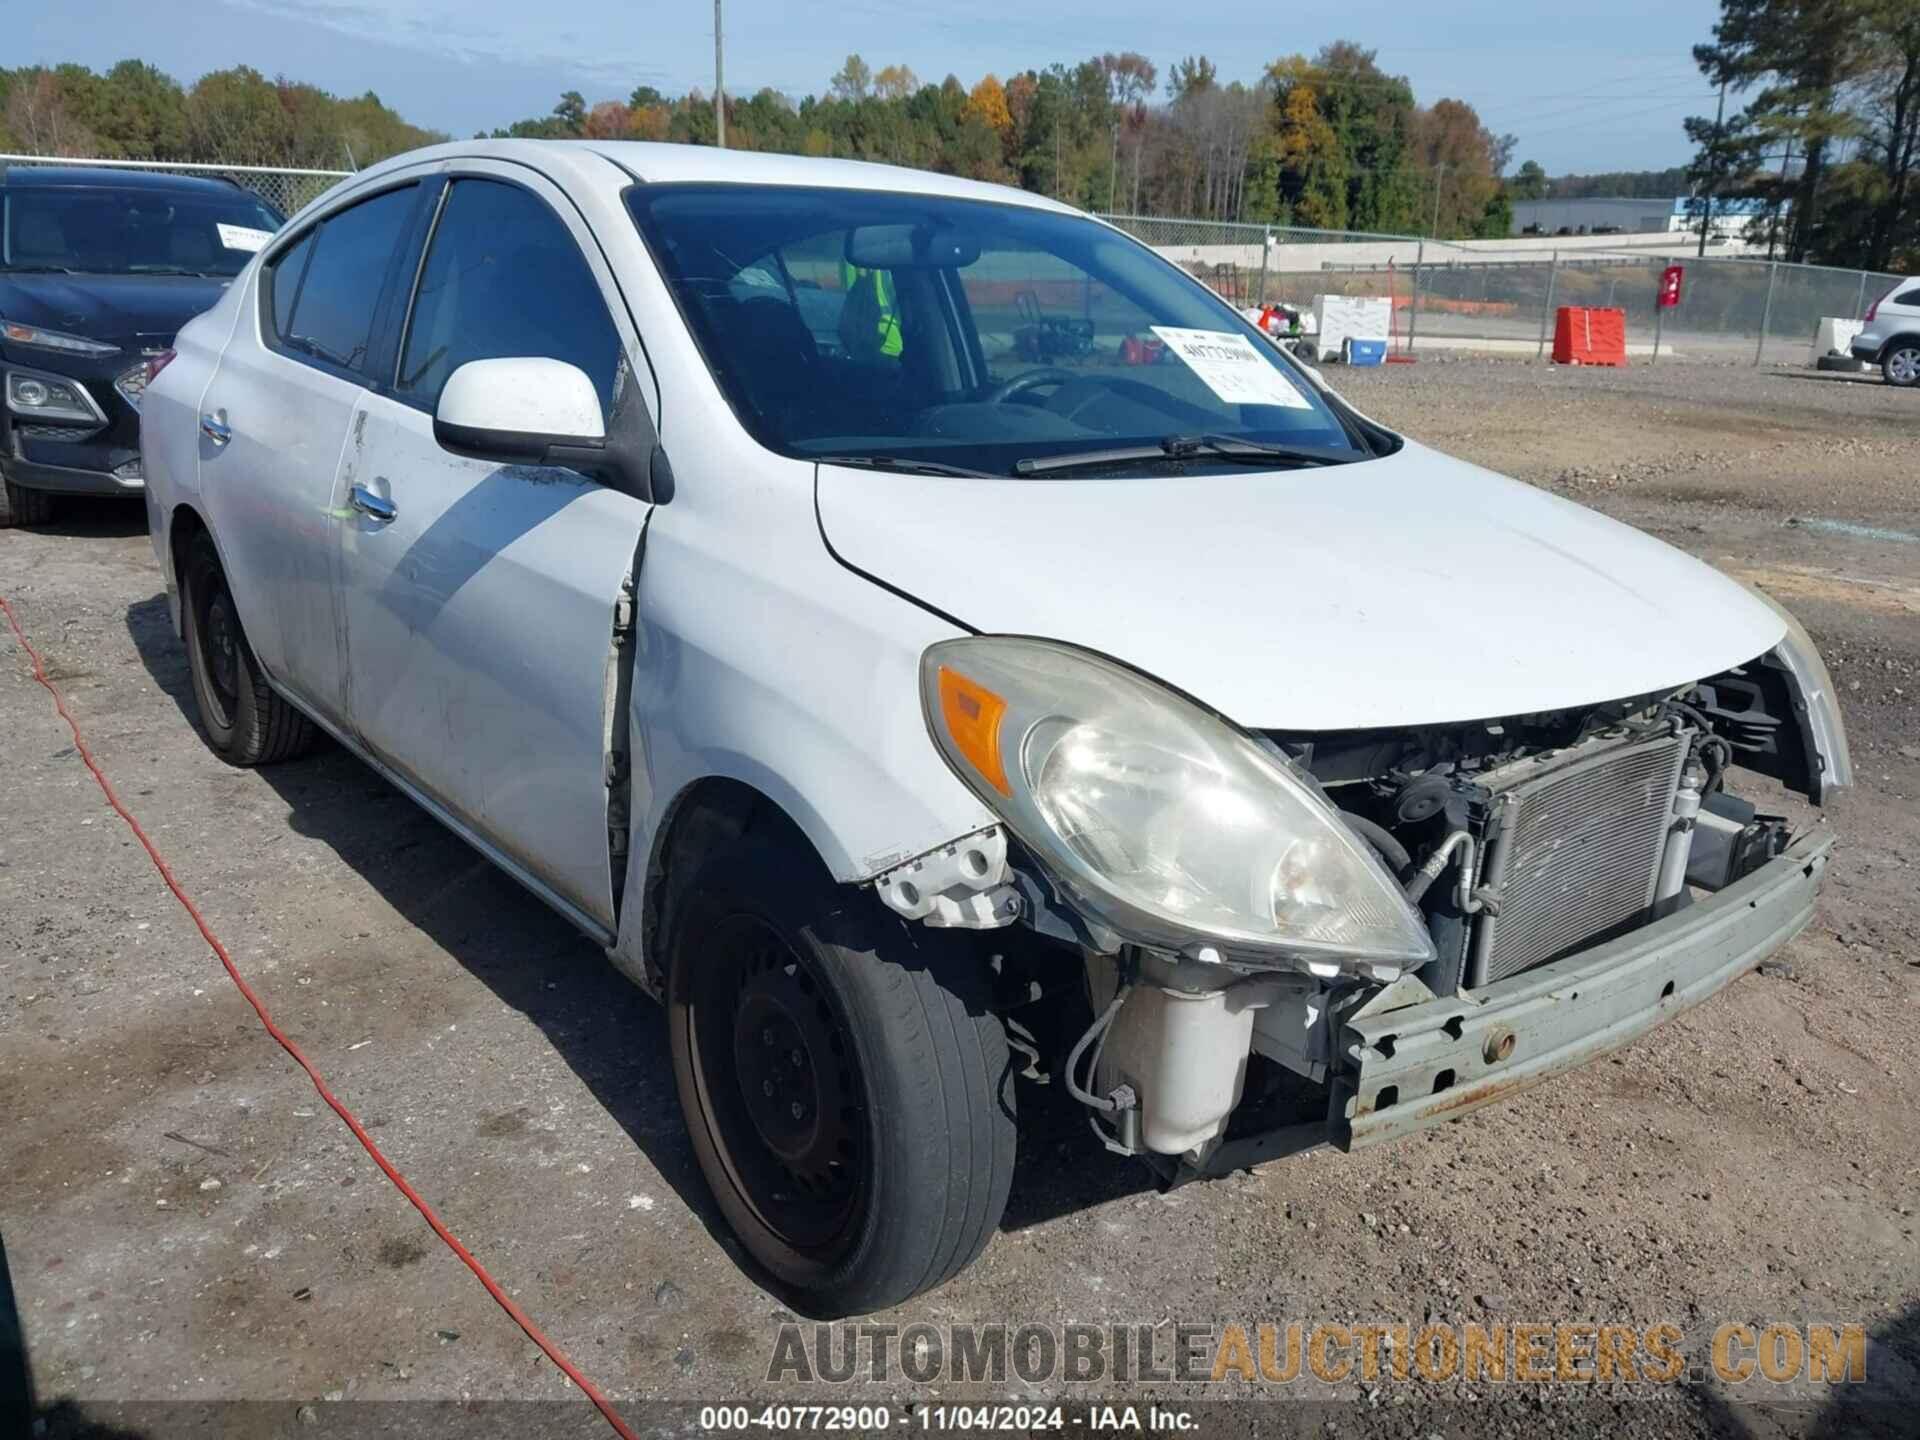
x=1277, y=1354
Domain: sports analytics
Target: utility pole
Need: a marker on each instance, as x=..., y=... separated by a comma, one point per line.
x=1439, y=174
x=719, y=84
x=1713, y=168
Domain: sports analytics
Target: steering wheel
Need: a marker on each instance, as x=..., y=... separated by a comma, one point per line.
x=1020, y=384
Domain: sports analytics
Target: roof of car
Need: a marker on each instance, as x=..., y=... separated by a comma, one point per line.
x=42, y=177
x=656, y=163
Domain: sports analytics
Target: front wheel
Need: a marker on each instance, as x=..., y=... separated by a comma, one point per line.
x=845, y=1083
x=1901, y=365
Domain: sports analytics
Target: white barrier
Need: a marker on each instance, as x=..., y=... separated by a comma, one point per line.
x=1338, y=318
x=1833, y=336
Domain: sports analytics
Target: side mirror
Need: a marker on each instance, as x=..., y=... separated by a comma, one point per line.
x=516, y=410
x=528, y=410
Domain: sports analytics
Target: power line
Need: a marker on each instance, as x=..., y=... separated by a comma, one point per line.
x=1578, y=124
x=719, y=83
x=1590, y=107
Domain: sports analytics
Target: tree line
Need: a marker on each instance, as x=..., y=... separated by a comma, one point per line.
x=232, y=117
x=1332, y=142
x=1822, y=126
x=1824, y=129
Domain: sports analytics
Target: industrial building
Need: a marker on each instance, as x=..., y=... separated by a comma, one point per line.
x=1626, y=215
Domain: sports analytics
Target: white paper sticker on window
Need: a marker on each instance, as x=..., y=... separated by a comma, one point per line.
x=239, y=237
x=1232, y=368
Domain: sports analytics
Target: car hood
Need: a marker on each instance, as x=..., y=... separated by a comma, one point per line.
x=1413, y=589
x=126, y=310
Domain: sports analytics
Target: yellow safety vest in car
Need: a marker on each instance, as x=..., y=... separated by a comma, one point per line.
x=887, y=323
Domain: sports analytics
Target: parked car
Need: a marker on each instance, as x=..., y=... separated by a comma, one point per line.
x=1891, y=337
x=99, y=268
x=695, y=534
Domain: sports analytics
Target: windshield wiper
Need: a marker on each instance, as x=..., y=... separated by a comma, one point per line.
x=39, y=270
x=1186, y=447
x=904, y=465
x=171, y=270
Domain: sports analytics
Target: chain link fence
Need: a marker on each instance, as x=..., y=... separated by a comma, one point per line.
x=285, y=190
x=1500, y=295
x=1757, y=311
x=1487, y=295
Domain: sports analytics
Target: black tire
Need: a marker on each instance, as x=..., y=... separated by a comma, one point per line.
x=246, y=723
x=846, y=1084
x=21, y=506
x=1900, y=364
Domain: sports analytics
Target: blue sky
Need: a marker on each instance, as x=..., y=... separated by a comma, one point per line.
x=1584, y=88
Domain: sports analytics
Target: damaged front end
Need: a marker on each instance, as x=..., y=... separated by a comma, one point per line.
x=1292, y=939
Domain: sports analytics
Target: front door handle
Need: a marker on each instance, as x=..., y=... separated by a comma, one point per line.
x=374, y=507
x=213, y=425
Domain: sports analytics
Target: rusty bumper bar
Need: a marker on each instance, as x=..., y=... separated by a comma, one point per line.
x=1415, y=1067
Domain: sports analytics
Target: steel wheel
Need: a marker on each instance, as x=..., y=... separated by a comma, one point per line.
x=780, y=1086
x=219, y=648
x=246, y=722
x=846, y=1084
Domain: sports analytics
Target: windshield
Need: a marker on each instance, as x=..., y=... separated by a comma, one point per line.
x=104, y=230
x=920, y=330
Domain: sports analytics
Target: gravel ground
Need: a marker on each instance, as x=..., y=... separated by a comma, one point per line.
x=185, y=1222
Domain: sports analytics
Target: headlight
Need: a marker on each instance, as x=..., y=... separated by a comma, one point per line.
x=47, y=397
x=18, y=334
x=1166, y=823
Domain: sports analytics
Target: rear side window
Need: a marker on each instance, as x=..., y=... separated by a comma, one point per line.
x=329, y=314
x=289, y=268
x=1908, y=297
x=504, y=278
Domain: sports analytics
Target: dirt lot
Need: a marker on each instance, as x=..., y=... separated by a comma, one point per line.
x=184, y=1221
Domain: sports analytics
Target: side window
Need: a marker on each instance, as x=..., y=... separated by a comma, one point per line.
x=330, y=314
x=1908, y=297
x=504, y=278
x=284, y=275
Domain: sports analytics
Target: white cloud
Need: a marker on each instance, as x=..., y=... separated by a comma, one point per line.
x=479, y=34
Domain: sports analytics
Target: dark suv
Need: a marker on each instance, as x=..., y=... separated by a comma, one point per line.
x=98, y=269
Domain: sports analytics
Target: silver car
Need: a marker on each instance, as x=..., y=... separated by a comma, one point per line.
x=1891, y=335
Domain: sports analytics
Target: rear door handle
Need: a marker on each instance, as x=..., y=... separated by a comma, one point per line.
x=374, y=507
x=213, y=425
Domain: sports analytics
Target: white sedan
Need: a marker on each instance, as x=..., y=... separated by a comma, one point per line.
x=886, y=611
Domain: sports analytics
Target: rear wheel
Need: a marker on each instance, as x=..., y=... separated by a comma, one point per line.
x=246, y=722
x=845, y=1083
x=1901, y=364
x=21, y=506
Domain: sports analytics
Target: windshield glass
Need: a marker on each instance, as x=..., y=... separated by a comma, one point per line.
x=104, y=230
x=934, y=331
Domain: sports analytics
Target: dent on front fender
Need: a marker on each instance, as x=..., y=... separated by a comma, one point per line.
x=804, y=687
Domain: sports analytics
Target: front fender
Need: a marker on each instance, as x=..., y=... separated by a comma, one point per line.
x=792, y=676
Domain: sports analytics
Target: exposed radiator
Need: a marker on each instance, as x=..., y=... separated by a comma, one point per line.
x=1576, y=853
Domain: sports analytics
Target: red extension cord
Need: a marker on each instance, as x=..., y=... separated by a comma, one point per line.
x=520, y=1317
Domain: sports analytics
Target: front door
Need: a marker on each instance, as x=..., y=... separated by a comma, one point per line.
x=480, y=599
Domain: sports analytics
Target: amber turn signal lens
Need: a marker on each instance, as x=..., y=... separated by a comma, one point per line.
x=972, y=715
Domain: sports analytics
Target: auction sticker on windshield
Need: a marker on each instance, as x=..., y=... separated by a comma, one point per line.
x=1232, y=368
x=242, y=237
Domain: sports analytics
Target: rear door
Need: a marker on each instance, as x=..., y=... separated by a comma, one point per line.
x=479, y=617
x=273, y=421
